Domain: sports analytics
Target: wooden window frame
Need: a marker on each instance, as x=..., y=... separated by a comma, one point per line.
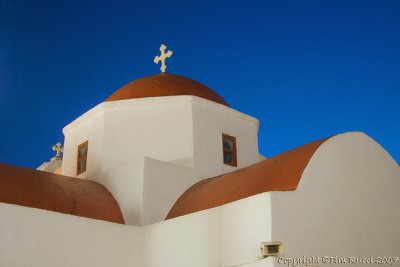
x=234, y=150
x=81, y=159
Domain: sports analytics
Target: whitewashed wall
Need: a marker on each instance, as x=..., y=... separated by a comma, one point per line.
x=211, y=120
x=146, y=188
x=183, y=130
x=126, y=130
x=40, y=238
x=347, y=203
x=229, y=235
x=125, y=182
x=159, y=128
x=88, y=127
x=163, y=184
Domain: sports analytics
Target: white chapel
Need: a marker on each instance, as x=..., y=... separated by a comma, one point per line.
x=165, y=173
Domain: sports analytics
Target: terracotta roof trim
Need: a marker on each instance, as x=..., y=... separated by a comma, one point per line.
x=43, y=190
x=279, y=173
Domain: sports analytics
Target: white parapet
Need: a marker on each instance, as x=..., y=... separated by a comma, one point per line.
x=229, y=235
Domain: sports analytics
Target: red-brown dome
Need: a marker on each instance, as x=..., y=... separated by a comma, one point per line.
x=165, y=85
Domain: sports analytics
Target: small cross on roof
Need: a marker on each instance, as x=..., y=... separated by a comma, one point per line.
x=58, y=149
x=163, y=57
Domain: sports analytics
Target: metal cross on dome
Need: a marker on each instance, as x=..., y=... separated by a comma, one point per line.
x=59, y=149
x=163, y=57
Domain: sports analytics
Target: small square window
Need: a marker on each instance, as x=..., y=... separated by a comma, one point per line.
x=82, y=158
x=229, y=150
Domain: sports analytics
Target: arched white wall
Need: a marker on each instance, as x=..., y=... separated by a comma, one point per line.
x=346, y=205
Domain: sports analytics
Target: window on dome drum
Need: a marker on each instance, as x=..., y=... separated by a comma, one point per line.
x=229, y=150
x=82, y=158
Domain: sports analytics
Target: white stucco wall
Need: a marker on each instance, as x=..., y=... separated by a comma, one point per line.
x=211, y=120
x=183, y=130
x=159, y=128
x=346, y=205
x=89, y=127
x=146, y=188
x=123, y=131
x=229, y=235
x=163, y=184
x=39, y=238
x=125, y=182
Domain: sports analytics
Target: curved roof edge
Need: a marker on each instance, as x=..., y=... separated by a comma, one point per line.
x=279, y=173
x=43, y=190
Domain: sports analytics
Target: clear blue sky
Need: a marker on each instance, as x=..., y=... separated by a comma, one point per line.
x=306, y=69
